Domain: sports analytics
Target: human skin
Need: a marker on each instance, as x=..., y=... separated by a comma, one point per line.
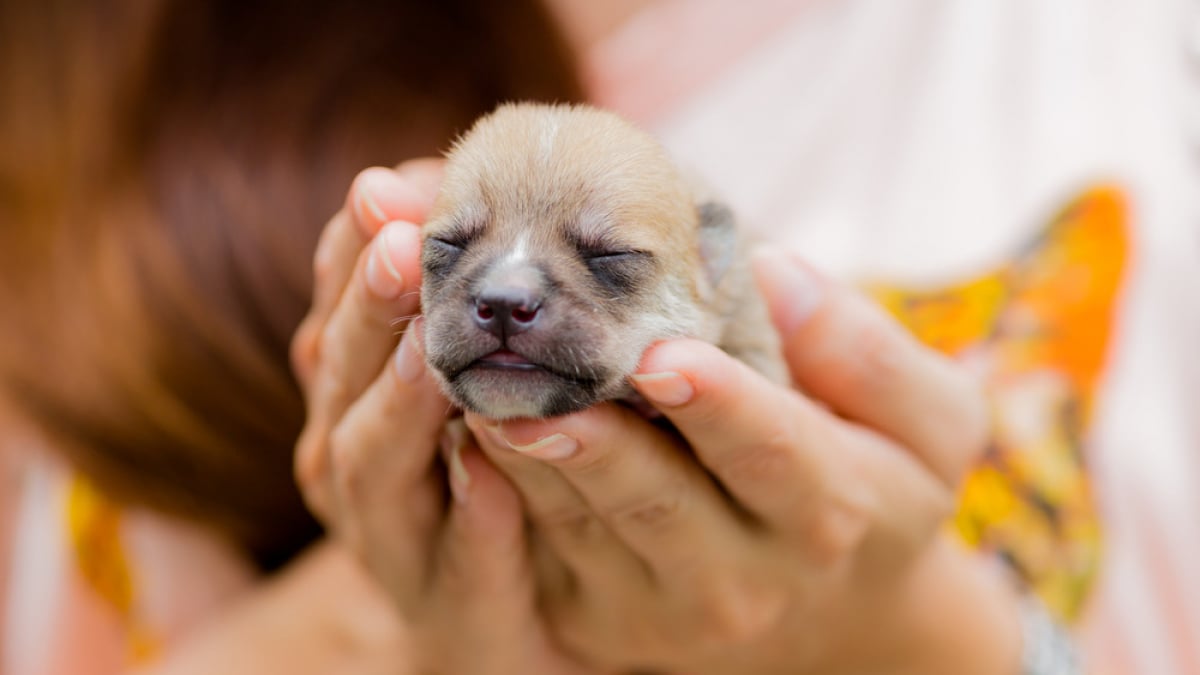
x=802, y=533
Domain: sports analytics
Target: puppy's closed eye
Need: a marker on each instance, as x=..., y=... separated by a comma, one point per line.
x=442, y=252
x=439, y=257
x=619, y=271
x=448, y=244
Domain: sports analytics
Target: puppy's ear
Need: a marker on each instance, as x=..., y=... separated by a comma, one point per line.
x=718, y=239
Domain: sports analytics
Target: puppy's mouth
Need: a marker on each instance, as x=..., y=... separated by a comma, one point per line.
x=509, y=361
x=505, y=384
x=504, y=359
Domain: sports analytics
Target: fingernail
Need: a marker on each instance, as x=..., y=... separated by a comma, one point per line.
x=793, y=291
x=491, y=430
x=384, y=280
x=452, y=441
x=668, y=389
x=555, y=446
x=410, y=362
x=366, y=204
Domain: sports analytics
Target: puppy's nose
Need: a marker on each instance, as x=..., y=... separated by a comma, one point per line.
x=507, y=310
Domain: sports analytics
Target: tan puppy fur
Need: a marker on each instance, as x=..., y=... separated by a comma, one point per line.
x=562, y=245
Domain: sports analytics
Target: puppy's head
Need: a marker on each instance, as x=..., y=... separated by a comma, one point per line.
x=563, y=243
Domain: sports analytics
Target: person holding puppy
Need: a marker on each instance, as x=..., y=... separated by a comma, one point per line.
x=1029, y=303
x=846, y=497
x=827, y=551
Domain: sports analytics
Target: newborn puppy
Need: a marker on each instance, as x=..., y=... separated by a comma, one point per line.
x=562, y=245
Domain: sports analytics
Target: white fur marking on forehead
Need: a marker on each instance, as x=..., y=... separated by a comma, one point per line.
x=519, y=252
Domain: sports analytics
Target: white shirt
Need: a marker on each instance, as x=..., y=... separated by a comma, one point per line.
x=926, y=142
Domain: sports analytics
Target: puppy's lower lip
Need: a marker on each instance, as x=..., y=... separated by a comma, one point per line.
x=504, y=359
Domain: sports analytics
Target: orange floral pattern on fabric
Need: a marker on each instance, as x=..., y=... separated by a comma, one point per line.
x=1037, y=329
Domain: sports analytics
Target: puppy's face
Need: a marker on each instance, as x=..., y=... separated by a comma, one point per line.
x=562, y=244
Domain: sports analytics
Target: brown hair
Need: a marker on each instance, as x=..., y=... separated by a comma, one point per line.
x=166, y=170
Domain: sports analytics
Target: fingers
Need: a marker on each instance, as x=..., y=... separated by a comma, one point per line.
x=564, y=520
x=458, y=571
x=798, y=467
x=482, y=592
x=365, y=459
x=483, y=551
x=363, y=296
x=355, y=344
x=635, y=477
x=373, y=312
x=386, y=500
x=846, y=352
x=780, y=456
x=376, y=197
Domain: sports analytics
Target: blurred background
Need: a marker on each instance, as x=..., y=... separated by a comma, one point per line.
x=1018, y=182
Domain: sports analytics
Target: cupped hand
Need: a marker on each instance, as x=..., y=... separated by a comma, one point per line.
x=776, y=531
x=459, y=569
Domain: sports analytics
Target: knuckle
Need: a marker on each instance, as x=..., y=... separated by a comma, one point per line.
x=589, y=461
x=963, y=429
x=327, y=348
x=729, y=613
x=332, y=369
x=303, y=349
x=574, y=525
x=974, y=429
x=309, y=467
x=655, y=512
x=878, y=356
x=346, y=462
x=760, y=463
x=834, y=531
x=311, y=472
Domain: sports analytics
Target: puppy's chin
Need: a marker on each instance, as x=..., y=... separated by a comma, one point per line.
x=506, y=393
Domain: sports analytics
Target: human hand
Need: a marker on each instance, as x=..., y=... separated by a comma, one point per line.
x=367, y=461
x=784, y=532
